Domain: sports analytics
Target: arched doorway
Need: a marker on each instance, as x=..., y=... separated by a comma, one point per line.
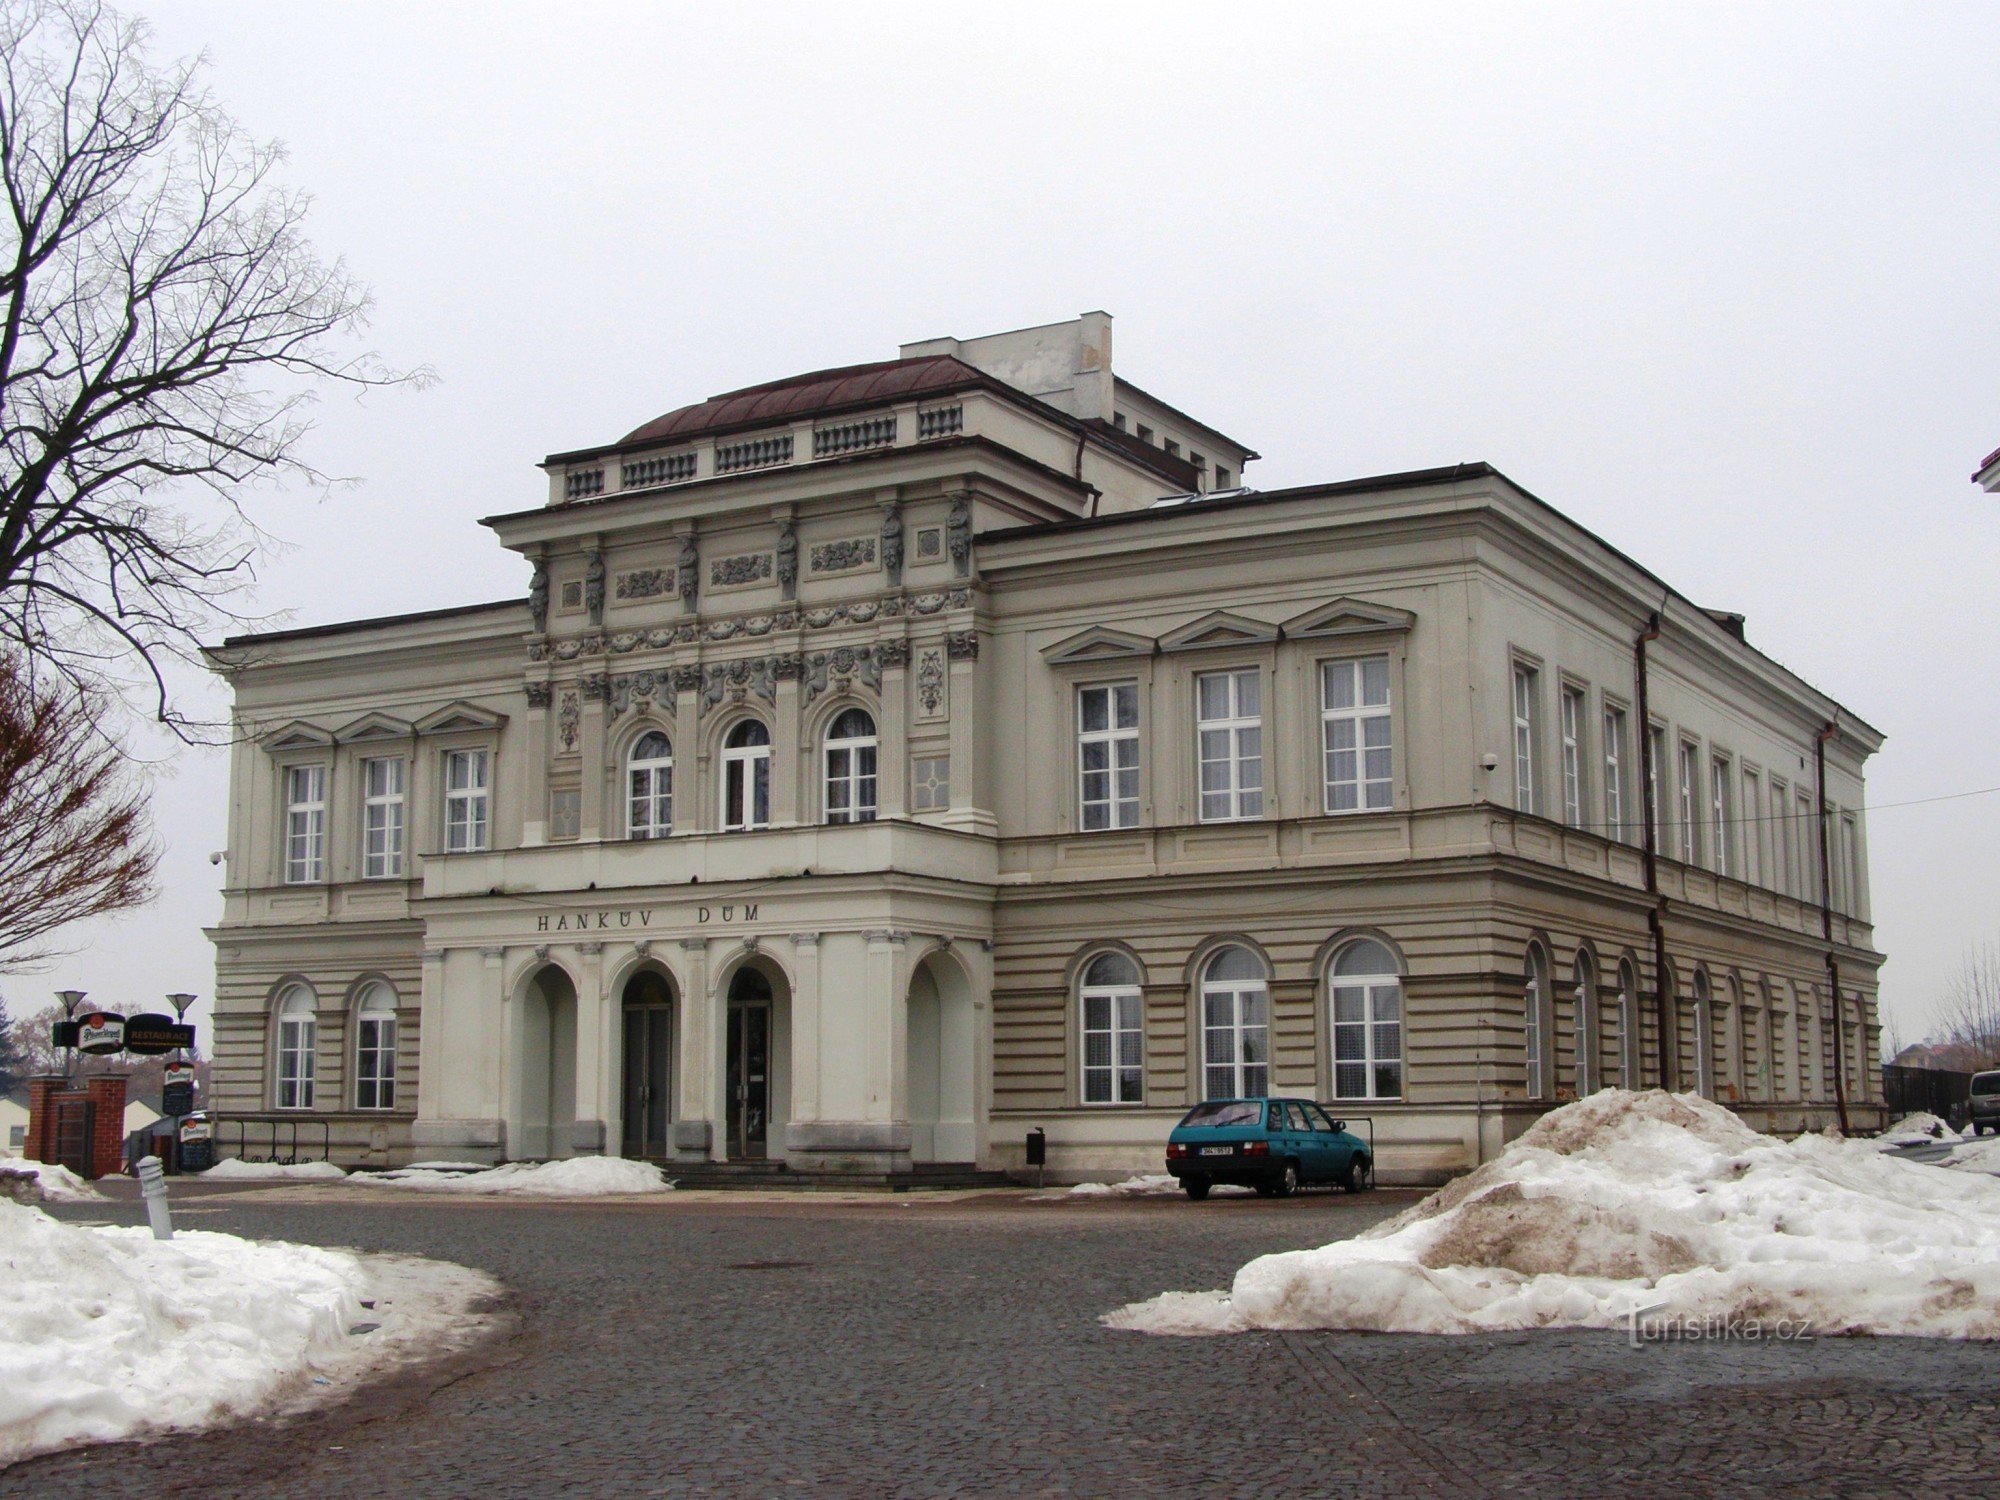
x=940, y=1042
x=756, y=1062
x=648, y=1106
x=547, y=1067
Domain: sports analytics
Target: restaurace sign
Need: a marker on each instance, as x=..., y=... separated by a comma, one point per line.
x=640, y=918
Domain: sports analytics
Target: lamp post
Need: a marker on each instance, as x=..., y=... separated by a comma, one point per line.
x=71, y=999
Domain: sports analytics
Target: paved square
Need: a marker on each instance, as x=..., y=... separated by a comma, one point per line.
x=714, y=1344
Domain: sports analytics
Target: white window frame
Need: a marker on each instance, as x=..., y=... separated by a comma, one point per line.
x=1614, y=773
x=1242, y=998
x=1721, y=777
x=1534, y=997
x=1583, y=981
x=1527, y=689
x=1241, y=734
x=850, y=767
x=468, y=808
x=1630, y=1035
x=1656, y=781
x=1367, y=725
x=1378, y=1029
x=1121, y=1078
x=746, y=778
x=305, y=823
x=649, y=789
x=1783, y=860
x=1753, y=826
x=297, y=1050
x=1118, y=743
x=1688, y=768
x=384, y=816
x=1573, y=701
x=375, y=1049
x=1704, y=1037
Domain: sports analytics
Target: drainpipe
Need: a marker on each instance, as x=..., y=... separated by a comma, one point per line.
x=1656, y=915
x=1826, y=931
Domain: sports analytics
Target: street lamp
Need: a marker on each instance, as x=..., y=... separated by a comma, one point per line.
x=180, y=1003
x=71, y=999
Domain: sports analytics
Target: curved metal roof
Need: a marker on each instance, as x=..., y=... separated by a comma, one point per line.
x=809, y=395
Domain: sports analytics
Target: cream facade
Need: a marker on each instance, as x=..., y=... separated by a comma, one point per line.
x=891, y=760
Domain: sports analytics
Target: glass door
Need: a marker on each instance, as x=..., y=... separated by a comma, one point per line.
x=749, y=1077
x=648, y=1068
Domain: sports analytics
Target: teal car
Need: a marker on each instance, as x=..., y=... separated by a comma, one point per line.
x=1276, y=1146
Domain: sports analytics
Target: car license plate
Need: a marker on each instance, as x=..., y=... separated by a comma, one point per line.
x=1218, y=1150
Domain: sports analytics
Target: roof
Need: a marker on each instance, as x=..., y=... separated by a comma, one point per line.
x=340, y=627
x=1984, y=464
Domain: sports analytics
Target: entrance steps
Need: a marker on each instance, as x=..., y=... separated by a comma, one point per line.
x=777, y=1176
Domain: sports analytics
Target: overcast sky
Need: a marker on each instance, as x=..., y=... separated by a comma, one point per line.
x=1719, y=282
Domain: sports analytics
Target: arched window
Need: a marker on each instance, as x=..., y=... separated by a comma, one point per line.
x=746, y=776
x=1114, y=1061
x=649, y=783
x=1704, y=1036
x=298, y=1041
x=1367, y=996
x=1584, y=980
x=1236, y=1026
x=850, y=768
x=1535, y=996
x=1628, y=1024
x=375, y=1048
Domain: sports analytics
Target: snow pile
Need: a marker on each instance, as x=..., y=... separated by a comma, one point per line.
x=52, y=1183
x=108, y=1332
x=234, y=1170
x=1919, y=1129
x=1975, y=1155
x=1148, y=1185
x=1653, y=1200
x=578, y=1177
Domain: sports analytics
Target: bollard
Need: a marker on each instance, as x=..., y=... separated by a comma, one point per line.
x=153, y=1188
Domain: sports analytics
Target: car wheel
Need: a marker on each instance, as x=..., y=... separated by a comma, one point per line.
x=1360, y=1174
x=1195, y=1188
x=1288, y=1181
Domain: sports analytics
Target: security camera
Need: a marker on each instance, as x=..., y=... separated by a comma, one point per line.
x=1489, y=762
x=217, y=857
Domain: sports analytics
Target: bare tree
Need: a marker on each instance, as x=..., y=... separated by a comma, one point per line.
x=1968, y=1034
x=163, y=327
x=73, y=830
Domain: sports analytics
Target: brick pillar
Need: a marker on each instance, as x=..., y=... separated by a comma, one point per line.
x=41, y=1116
x=106, y=1093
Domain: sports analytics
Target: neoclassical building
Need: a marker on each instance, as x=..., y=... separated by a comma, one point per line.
x=887, y=761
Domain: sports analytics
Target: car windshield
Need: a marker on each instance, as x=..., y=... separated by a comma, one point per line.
x=1986, y=1083
x=1226, y=1112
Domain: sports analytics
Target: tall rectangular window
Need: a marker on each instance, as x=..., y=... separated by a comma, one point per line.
x=305, y=825
x=1113, y=1045
x=1614, y=773
x=1784, y=867
x=1355, y=735
x=1719, y=819
x=1108, y=755
x=1656, y=760
x=382, y=818
x=1808, y=836
x=1850, y=863
x=375, y=1063
x=1684, y=842
x=465, y=800
x=1572, y=733
x=1526, y=686
x=1753, y=827
x=1229, y=730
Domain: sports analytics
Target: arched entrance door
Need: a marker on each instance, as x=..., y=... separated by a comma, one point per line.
x=941, y=1047
x=748, y=1065
x=547, y=1067
x=648, y=1075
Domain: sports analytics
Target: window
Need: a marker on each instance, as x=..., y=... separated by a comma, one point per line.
x=1230, y=735
x=1525, y=688
x=1572, y=733
x=1584, y=989
x=1850, y=862
x=1235, y=1016
x=298, y=1040
x=1222, y=477
x=1656, y=757
x=1367, y=994
x=1118, y=421
x=1719, y=820
x=1783, y=866
x=1172, y=447
x=375, y=1049
x=649, y=787
x=1614, y=774
x=1704, y=1037
x=1535, y=994
x=1808, y=849
x=1113, y=1031
x=1628, y=1025
x=1108, y=754
x=1355, y=735
x=930, y=783
x=746, y=776
x=850, y=768
x=382, y=818
x=1753, y=828
x=1145, y=433
x=465, y=800
x=305, y=825
x=1685, y=840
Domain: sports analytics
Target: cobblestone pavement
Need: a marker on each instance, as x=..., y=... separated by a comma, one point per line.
x=717, y=1345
